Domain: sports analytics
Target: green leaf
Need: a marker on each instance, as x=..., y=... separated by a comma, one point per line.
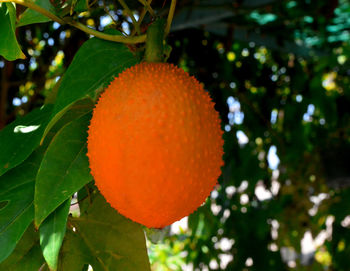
x=30, y=16
x=27, y=254
x=9, y=47
x=17, y=187
x=64, y=168
x=81, y=5
x=21, y=137
x=94, y=65
x=17, y=192
x=104, y=239
x=52, y=232
x=77, y=110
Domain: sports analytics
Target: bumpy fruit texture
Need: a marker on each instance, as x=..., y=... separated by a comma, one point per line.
x=155, y=144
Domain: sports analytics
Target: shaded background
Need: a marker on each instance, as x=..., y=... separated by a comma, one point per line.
x=278, y=72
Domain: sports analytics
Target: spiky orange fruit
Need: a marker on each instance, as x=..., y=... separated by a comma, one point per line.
x=155, y=144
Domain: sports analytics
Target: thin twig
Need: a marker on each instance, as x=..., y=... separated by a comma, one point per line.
x=88, y=193
x=147, y=4
x=116, y=38
x=79, y=201
x=128, y=12
x=42, y=267
x=142, y=15
x=91, y=4
x=107, y=11
x=170, y=16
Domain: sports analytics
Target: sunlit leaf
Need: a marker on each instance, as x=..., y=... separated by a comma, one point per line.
x=9, y=47
x=17, y=192
x=21, y=137
x=52, y=232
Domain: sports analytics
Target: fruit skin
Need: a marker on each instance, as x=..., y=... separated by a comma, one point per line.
x=155, y=144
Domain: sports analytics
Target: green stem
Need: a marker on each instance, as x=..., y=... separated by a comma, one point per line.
x=115, y=38
x=154, y=42
x=170, y=16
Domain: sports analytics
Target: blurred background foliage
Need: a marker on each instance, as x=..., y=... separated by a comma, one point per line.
x=278, y=72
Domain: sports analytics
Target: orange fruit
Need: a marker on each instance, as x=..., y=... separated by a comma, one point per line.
x=155, y=144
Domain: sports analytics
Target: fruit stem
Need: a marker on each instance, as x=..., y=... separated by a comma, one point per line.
x=154, y=41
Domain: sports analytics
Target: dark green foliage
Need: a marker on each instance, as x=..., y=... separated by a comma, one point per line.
x=27, y=255
x=21, y=137
x=17, y=192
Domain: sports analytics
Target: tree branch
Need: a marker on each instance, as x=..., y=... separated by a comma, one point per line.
x=114, y=38
x=147, y=5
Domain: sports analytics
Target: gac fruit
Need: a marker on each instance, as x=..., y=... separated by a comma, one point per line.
x=155, y=144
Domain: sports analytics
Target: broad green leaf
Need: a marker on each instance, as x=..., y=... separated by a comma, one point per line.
x=77, y=110
x=17, y=189
x=52, y=232
x=9, y=47
x=17, y=192
x=64, y=168
x=27, y=255
x=30, y=16
x=104, y=239
x=21, y=137
x=94, y=65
